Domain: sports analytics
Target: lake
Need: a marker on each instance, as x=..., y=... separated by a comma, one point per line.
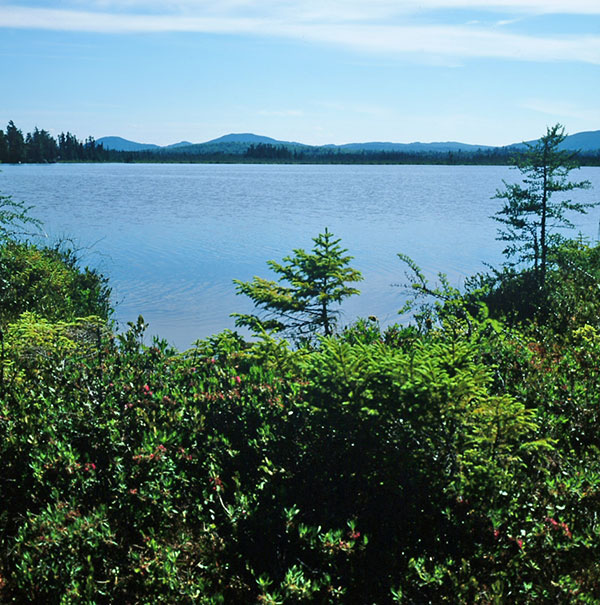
x=172, y=237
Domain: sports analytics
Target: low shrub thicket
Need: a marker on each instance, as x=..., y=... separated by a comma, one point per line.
x=50, y=282
x=455, y=462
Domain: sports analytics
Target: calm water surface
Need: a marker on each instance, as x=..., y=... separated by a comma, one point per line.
x=171, y=237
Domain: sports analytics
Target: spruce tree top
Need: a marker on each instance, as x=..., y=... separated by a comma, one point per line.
x=309, y=285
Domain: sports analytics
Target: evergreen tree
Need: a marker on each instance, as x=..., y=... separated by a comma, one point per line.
x=16, y=144
x=41, y=146
x=3, y=147
x=312, y=284
x=531, y=214
x=69, y=148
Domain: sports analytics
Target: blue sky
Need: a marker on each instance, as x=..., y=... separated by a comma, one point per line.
x=315, y=71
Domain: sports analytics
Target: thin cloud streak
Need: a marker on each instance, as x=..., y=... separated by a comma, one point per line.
x=343, y=9
x=436, y=41
x=67, y=20
x=284, y=113
x=579, y=7
x=561, y=110
x=464, y=42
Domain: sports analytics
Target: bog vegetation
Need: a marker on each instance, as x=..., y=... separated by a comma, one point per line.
x=452, y=460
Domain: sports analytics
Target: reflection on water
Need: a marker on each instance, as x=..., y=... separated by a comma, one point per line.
x=172, y=237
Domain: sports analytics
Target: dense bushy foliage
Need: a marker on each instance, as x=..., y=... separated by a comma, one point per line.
x=453, y=461
x=50, y=282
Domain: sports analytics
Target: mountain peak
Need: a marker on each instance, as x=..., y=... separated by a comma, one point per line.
x=121, y=144
x=244, y=137
x=587, y=142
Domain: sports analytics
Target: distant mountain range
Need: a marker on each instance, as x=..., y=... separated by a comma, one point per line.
x=586, y=142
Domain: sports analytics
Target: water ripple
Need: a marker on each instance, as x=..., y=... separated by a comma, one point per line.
x=173, y=237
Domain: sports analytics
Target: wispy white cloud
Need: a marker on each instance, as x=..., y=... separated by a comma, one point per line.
x=505, y=22
x=281, y=113
x=580, y=7
x=339, y=9
x=353, y=24
x=453, y=41
x=562, y=109
x=103, y=22
x=354, y=108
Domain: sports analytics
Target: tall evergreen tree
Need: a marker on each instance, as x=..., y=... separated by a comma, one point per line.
x=69, y=148
x=16, y=144
x=3, y=147
x=531, y=214
x=41, y=146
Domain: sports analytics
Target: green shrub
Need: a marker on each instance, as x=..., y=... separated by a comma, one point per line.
x=49, y=282
x=456, y=462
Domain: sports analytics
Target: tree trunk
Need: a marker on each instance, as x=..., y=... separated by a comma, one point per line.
x=544, y=209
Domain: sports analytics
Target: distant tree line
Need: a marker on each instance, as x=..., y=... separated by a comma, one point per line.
x=281, y=154
x=40, y=146
x=325, y=155
x=271, y=152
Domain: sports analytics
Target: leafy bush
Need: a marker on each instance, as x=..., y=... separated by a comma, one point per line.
x=48, y=281
x=569, y=299
x=451, y=462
